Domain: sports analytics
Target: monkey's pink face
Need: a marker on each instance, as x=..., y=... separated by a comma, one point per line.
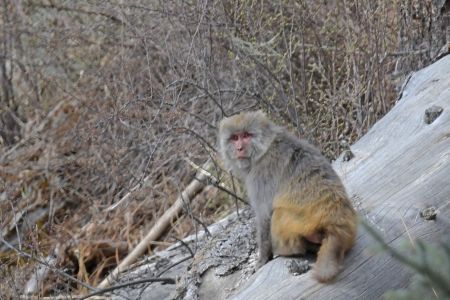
x=242, y=144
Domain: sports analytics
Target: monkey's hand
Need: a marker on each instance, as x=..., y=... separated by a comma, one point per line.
x=265, y=254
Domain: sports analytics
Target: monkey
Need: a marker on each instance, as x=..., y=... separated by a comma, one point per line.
x=299, y=202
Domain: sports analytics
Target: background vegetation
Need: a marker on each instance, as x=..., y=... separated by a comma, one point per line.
x=100, y=97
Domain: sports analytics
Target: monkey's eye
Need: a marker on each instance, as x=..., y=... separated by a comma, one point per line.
x=234, y=137
x=246, y=135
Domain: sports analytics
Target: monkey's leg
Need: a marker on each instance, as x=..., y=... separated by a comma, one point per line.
x=263, y=240
x=287, y=236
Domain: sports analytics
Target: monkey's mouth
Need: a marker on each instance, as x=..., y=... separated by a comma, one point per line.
x=242, y=157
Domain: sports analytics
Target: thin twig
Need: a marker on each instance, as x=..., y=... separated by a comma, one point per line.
x=183, y=243
x=167, y=269
x=128, y=284
x=214, y=181
x=24, y=254
x=418, y=267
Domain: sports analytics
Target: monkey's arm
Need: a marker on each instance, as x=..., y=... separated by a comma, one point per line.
x=264, y=240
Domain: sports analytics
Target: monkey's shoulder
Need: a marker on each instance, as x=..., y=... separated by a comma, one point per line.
x=303, y=161
x=296, y=149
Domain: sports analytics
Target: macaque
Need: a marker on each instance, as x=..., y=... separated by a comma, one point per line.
x=299, y=201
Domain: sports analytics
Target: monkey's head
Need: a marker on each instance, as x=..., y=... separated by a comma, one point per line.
x=244, y=138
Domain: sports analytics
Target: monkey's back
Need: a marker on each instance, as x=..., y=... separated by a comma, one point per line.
x=311, y=201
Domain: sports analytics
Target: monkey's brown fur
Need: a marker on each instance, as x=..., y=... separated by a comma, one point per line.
x=316, y=214
x=298, y=199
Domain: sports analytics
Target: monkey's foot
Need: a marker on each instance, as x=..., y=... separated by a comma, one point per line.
x=260, y=263
x=297, y=266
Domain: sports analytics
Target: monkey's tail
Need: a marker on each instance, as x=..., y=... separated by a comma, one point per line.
x=329, y=259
